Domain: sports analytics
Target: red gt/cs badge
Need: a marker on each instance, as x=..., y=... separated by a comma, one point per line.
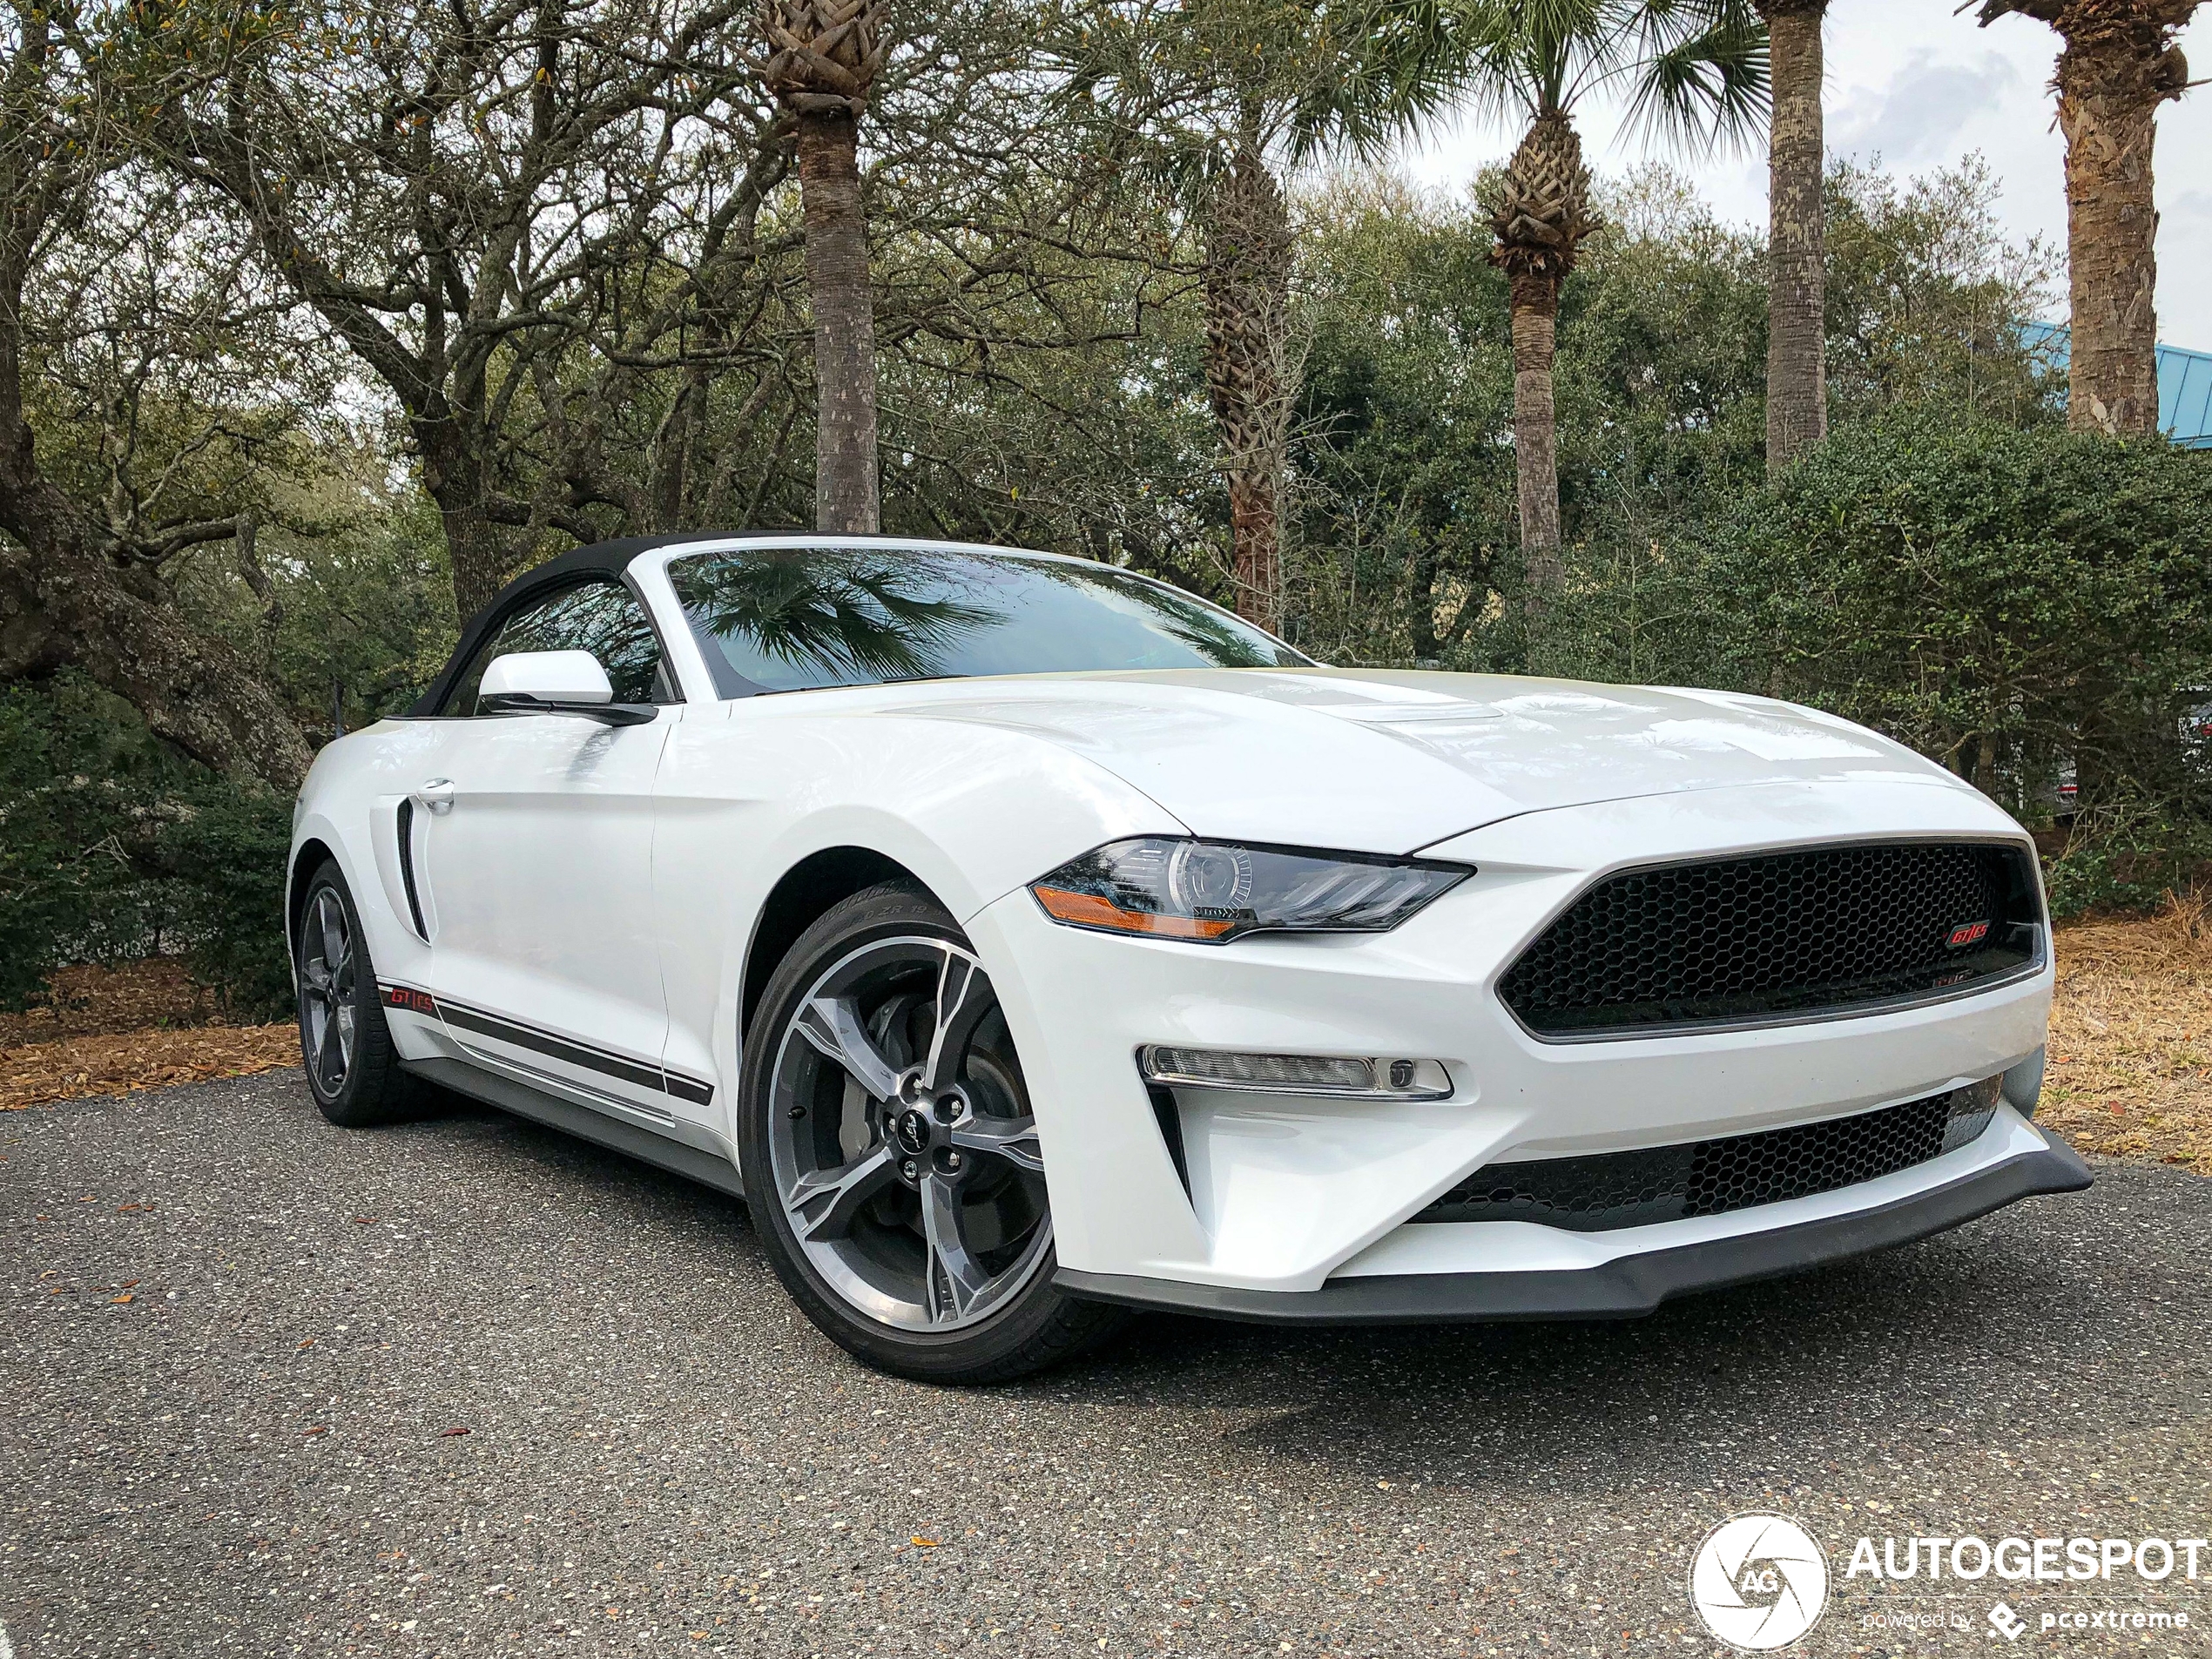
x=1966, y=932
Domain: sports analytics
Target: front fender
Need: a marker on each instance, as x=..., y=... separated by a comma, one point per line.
x=974, y=812
x=346, y=805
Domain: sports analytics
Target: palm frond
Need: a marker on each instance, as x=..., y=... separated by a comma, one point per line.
x=1699, y=77
x=1695, y=70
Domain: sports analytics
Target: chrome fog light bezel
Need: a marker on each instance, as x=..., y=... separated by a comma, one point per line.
x=1377, y=1076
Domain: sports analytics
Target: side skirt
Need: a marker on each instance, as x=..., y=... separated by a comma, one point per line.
x=510, y=1096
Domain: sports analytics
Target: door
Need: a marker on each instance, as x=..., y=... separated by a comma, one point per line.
x=536, y=834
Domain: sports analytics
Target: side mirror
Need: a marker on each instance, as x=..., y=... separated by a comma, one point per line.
x=554, y=682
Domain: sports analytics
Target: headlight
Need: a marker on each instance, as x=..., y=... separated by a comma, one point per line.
x=1211, y=892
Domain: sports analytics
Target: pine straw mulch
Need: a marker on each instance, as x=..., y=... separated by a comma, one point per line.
x=113, y=1030
x=2130, y=1072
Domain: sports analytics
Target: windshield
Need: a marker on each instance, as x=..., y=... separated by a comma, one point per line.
x=792, y=619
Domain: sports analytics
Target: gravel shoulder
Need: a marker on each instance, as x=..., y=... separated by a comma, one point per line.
x=238, y=1346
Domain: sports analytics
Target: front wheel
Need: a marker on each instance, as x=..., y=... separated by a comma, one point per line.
x=353, y=1070
x=891, y=1158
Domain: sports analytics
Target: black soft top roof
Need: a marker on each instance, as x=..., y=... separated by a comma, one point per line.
x=602, y=560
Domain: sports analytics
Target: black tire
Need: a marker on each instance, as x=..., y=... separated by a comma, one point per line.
x=955, y=1267
x=353, y=1070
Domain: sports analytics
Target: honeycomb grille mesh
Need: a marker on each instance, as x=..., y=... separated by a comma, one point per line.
x=1747, y=939
x=1616, y=1190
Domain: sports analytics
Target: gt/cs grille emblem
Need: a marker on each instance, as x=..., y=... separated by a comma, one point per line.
x=1965, y=933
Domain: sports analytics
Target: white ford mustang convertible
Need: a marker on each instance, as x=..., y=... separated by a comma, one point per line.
x=1025, y=939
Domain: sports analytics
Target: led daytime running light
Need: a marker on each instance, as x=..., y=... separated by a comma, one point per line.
x=1352, y=1075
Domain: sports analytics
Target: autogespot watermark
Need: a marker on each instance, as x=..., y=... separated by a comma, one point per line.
x=2032, y=1559
x=1759, y=1581
x=1762, y=1582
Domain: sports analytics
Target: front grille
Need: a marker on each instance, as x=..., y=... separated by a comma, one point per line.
x=1748, y=940
x=1612, y=1190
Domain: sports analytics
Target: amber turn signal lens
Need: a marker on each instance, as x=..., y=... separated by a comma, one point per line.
x=1088, y=910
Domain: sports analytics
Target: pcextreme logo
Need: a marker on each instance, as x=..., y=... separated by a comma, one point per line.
x=1759, y=1581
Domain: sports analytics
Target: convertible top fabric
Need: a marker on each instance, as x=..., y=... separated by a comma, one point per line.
x=608, y=559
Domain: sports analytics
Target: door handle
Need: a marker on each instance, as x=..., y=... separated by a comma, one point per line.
x=437, y=795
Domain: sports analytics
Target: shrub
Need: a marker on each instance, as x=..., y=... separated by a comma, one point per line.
x=2032, y=609
x=111, y=848
x=2016, y=604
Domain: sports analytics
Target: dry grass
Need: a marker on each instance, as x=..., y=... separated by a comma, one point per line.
x=2131, y=1037
x=143, y=1025
x=2130, y=1073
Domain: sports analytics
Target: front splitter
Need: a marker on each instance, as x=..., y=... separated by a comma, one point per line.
x=1626, y=1288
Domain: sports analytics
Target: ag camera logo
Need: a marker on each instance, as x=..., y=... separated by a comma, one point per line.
x=1759, y=1581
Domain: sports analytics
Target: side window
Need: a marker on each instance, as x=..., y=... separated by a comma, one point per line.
x=602, y=617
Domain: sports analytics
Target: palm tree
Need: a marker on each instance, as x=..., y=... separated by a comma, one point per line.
x=1250, y=380
x=1797, y=337
x=2118, y=63
x=822, y=55
x=1695, y=71
x=1218, y=98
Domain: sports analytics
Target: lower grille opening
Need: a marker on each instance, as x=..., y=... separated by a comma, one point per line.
x=1614, y=1190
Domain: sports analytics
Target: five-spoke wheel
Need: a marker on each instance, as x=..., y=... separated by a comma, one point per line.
x=353, y=1070
x=905, y=1154
x=891, y=1154
x=326, y=1017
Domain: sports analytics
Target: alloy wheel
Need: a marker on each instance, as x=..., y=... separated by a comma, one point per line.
x=327, y=1013
x=903, y=1149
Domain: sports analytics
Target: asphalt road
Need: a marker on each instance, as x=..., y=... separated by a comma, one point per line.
x=240, y=1346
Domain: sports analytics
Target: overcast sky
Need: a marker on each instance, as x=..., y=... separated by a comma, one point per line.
x=1922, y=87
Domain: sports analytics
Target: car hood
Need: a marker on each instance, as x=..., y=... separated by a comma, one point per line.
x=1382, y=760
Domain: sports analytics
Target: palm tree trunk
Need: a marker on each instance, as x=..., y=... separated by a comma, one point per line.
x=837, y=281
x=1248, y=373
x=1797, y=358
x=1535, y=444
x=2109, y=90
x=1539, y=209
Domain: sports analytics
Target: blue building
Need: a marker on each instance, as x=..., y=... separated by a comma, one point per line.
x=2184, y=383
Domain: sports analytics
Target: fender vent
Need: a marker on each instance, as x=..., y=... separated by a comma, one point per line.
x=406, y=833
x=1755, y=941
x=1615, y=1190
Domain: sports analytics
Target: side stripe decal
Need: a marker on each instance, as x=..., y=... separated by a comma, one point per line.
x=523, y=1036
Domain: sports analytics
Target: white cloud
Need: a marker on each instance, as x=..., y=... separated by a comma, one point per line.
x=1916, y=119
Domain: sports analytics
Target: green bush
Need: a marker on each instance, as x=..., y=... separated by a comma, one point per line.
x=113, y=847
x=2010, y=603
x=2032, y=609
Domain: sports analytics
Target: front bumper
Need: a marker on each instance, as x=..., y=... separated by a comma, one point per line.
x=1289, y=1195
x=1626, y=1287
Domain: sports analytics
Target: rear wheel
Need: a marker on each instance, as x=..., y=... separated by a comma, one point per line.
x=353, y=1070
x=891, y=1157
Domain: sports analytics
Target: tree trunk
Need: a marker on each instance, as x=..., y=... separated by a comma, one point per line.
x=2109, y=90
x=1796, y=356
x=837, y=281
x=72, y=608
x=1536, y=447
x=1248, y=372
x=480, y=551
x=64, y=604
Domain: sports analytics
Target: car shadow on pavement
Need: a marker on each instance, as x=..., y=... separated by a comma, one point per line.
x=1942, y=1342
